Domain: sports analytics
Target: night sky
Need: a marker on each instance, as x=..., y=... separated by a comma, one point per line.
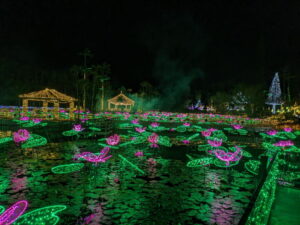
x=206, y=45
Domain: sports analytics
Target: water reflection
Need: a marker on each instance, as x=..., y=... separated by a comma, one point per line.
x=115, y=193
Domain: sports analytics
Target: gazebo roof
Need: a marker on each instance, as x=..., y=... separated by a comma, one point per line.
x=48, y=94
x=121, y=99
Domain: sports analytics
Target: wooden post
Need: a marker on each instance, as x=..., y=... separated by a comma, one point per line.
x=71, y=109
x=45, y=108
x=25, y=104
x=56, y=109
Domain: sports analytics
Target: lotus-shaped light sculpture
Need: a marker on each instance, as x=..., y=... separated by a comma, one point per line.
x=237, y=126
x=215, y=143
x=284, y=143
x=91, y=157
x=153, y=139
x=154, y=124
x=206, y=133
x=229, y=156
x=288, y=129
x=21, y=136
x=272, y=132
x=140, y=129
x=113, y=140
x=78, y=127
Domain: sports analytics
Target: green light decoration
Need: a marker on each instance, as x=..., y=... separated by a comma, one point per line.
x=110, y=146
x=263, y=204
x=219, y=135
x=200, y=162
x=266, y=136
x=131, y=164
x=126, y=143
x=285, y=135
x=245, y=153
x=157, y=129
x=220, y=163
x=197, y=128
x=165, y=141
x=242, y=132
x=67, y=168
x=2, y=209
x=5, y=139
x=189, y=157
x=42, y=216
x=181, y=129
x=70, y=133
x=193, y=136
x=204, y=147
x=94, y=128
x=140, y=139
x=297, y=132
x=125, y=125
x=292, y=149
x=35, y=140
x=270, y=147
x=252, y=166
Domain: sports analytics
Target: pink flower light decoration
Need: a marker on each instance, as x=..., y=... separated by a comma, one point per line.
x=206, y=133
x=155, y=124
x=186, y=142
x=229, y=156
x=288, y=129
x=237, y=126
x=187, y=124
x=36, y=120
x=215, y=142
x=24, y=118
x=78, y=127
x=211, y=129
x=13, y=213
x=140, y=129
x=21, y=135
x=91, y=157
x=272, y=132
x=284, y=143
x=139, y=154
x=153, y=139
x=135, y=121
x=113, y=140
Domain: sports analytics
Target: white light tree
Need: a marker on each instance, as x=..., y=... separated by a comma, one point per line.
x=274, y=96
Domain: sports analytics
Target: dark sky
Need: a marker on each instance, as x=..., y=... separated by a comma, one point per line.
x=215, y=44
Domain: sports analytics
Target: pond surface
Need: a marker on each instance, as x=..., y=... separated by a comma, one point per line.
x=114, y=192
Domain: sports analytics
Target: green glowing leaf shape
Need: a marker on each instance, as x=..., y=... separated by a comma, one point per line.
x=200, y=162
x=69, y=133
x=2, y=209
x=165, y=141
x=5, y=139
x=220, y=163
x=253, y=166
x=94, y=129
x=193, y=136
x=67, y=168
x=46, y=215
x=34, y=141
x=131, y=164
x=181, y=129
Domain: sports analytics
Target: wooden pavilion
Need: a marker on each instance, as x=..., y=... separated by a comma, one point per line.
x=120, y=103
x=47, y=96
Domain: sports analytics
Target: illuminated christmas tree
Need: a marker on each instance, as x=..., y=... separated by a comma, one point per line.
x=274, y=96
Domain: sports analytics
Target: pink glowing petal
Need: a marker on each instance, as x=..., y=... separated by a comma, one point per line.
x=14, y=212
x=113, y=140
